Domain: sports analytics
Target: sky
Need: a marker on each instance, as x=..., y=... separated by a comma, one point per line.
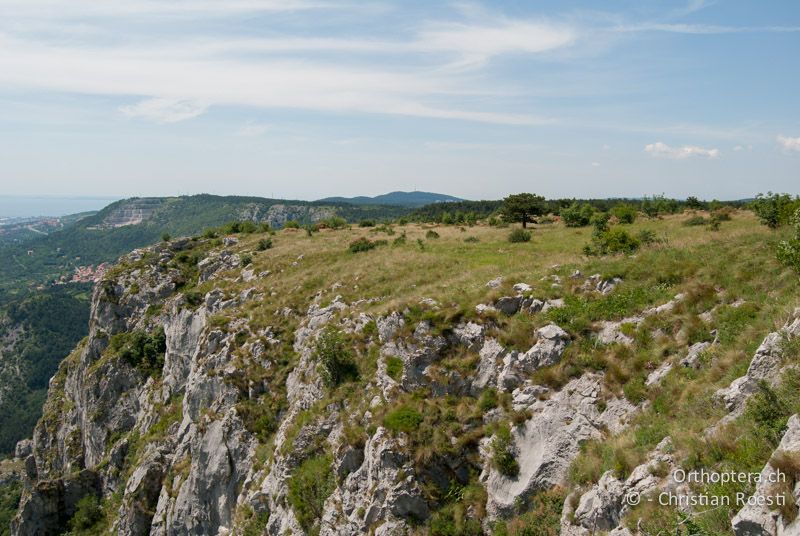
x=304, y=99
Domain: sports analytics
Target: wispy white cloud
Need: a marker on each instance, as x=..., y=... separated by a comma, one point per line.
x=789, y=144
x=56, y=9
x=252, y=129
x=662, y=150
x=181, y=80
x=165, y=110
x=704, y=29
x=483, y=41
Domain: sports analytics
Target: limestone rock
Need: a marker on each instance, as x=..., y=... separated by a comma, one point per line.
x=508, y=305
x=754, y=519
x=550, y=344
x=546, y=444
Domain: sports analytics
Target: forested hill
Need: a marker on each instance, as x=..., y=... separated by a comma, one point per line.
x=136, y=222
x=398, y=199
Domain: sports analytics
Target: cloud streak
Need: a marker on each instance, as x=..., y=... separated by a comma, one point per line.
x=165, y=110
x=789, y=144
x=662, y=150
x=180, y=80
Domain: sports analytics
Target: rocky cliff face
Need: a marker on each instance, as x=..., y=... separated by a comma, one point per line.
x=203, y=402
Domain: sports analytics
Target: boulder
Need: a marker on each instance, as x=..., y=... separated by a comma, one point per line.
x=508, y=305
x=756, y=519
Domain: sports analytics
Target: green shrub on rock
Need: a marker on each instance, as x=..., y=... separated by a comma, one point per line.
x=502, y=455
x=141, y=350
x=403, y=419
x=336, y=363
x=309, y=486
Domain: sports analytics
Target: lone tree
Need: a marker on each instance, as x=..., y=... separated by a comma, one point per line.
x=520, y=207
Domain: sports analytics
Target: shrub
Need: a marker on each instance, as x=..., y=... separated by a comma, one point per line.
x=361, y=244
x=10, y=494
x=291, y=224
x=635, y=390
x=193, y=298
x=394, y=367
x=335, y=360
x=614, y=240
x=577, y=215
x=264, y=244
x=647, y=237
x=519, y=235
x=247, y=259
x=789, y=250
x=775, y=210
x=366, y=223
x=502, y=456
x=309, y=486
x=431, y=234
x=403, y=419
x=236, y=227
x=334, y=222
x=488, y=400
x=141, y=350
x=695, y=221
x=400, y=240
x=600, y=222
x=165, y=237
x=624, y=212
x=87, y=514
x=722, y=214
x=543, y=518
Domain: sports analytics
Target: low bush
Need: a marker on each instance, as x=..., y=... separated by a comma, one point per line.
x=613, y=240
x=647, y=237
x=142, y=350
x=309, y=486
x=577, y=215
x=502, y=455
x=789, y=250
x=431, y=234
x=87, y=514
x=366, y=223
x=394, y=367
x=361, y=244
x=336, y=364
x=519, y=235
x=403, y=419
x=625, y=213
x=264, y=244
x=695, y=221
x=488, y=400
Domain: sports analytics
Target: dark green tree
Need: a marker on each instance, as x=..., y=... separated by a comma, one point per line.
x=521, y=207
x=694, y=204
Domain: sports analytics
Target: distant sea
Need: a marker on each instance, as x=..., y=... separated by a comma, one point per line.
x=12, y=206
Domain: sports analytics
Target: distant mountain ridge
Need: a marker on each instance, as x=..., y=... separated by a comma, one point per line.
x=400, y=199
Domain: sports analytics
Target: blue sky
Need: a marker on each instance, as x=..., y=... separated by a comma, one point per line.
x=311, y=98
